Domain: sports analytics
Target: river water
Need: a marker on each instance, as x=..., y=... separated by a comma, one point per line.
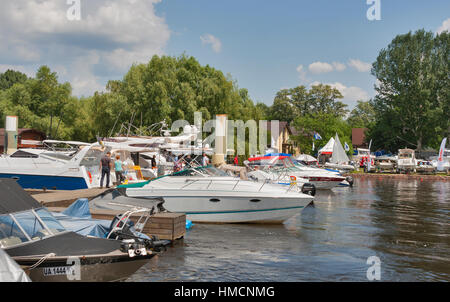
x=405, y=223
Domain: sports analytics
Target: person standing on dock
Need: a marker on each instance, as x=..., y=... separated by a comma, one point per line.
x=105, y=167
x=118, y=168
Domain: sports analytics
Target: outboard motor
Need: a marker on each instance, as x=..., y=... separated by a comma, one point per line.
x=309, y=189
x=349, y=179
x=126, y=234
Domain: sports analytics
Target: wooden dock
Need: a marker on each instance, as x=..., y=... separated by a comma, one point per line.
x=64, y=198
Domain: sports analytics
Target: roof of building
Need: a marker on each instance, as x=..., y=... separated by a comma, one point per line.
x=20, y=132
x=358, y=136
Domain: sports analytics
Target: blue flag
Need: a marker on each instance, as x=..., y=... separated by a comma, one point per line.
x=317, y=136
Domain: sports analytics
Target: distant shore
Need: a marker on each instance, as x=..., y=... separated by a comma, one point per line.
x=440, y=177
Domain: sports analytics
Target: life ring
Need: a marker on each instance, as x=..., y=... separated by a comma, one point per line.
x=90, y=177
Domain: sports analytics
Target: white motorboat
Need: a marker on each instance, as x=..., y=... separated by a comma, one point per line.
x=362, y=156
x=406, y=160
x=284, y=167
x=424, y=166
x=40, y=168
x=207, y=194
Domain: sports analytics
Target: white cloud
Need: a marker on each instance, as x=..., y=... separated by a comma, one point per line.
x=116, y=33
x=359, y=65
x=214, y=41
x=444, y=27
x=302, y=74
x=320, y=67
x=339, y=66
x=324, y=67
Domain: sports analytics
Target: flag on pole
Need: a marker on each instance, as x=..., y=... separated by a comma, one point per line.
x=313, y=146
x=440, y=161
x=317, y=136
x=346, y=147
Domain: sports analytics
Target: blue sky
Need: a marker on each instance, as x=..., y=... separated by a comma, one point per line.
x=264, y=45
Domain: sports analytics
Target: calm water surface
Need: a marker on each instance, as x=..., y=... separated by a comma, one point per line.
x=403, y=222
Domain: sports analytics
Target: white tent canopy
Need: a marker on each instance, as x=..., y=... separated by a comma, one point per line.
x=328, y=148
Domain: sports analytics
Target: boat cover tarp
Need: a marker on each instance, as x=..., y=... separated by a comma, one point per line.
x=77, y=218
x=10, y=271
x=85, y=226
x=80, y=208
x=277, y=154
x=66, y=244
x=14, y=198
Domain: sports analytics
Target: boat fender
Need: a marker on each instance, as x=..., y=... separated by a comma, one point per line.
x=349, y=179
x=309, y=189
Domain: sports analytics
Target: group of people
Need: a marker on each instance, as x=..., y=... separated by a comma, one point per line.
x=188, y=161
x=106, y=164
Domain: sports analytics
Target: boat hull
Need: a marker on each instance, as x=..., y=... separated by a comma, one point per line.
x=30, y=181
x=232, y=209
x=103, y=268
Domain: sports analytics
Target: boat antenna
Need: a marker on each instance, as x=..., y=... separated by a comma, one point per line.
x=117, y=119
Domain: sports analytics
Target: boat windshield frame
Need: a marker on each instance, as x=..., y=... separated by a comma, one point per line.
x=19, y=226
x=204, y=171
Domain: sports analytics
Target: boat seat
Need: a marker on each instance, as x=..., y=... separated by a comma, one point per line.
x=9, y=241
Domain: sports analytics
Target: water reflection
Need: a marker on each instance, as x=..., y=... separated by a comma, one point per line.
x=403, y=222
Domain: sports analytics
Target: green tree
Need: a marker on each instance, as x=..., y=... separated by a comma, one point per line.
x=412, y=98
x=362, y=116
x=298, y=101
x=327, y=125
x=11, y=77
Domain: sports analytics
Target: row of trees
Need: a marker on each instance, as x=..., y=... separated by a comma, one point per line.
x=167, y=88
x=411, y=107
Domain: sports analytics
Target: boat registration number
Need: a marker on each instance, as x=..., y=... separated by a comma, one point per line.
x=58, y=271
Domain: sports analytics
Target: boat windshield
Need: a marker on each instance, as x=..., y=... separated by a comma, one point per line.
x=27, y=226
x=58, y=155
x=93, y=156
x=363, y=152
x=405, y=155
x=201, y=171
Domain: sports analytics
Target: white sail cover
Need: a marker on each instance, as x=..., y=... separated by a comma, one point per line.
x=339, y=156
x=328, y=148
x=10, y=271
